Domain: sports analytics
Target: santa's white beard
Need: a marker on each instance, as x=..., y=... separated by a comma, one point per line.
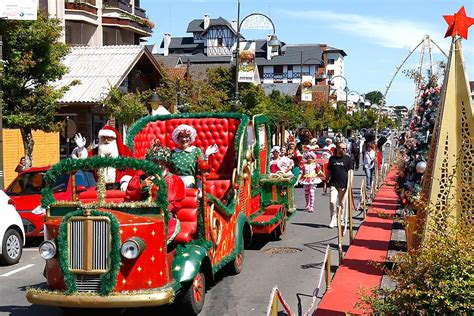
x=108, y=150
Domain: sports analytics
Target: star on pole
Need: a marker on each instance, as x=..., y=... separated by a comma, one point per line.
x=458, y=24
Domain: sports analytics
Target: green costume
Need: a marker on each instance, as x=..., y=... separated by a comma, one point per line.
x=185, y=161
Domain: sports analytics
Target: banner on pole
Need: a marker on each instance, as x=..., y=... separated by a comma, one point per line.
x=18, y=10
x=247, y=67
x=307, y=88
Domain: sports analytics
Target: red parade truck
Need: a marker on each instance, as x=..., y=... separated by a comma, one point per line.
x=103, y=251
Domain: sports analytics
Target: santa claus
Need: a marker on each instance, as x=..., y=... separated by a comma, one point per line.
x=110, y=145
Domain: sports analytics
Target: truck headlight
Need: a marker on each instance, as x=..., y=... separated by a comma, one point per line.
x=132, y=247
x=47, y=249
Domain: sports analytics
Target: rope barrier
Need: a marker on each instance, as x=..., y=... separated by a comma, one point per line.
x=275, y=297
x=327, y=268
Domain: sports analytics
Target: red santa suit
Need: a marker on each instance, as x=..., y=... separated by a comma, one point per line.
x=109, y=148
x=111, y=174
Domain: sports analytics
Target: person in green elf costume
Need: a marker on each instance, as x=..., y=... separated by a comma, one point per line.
x=186, y=156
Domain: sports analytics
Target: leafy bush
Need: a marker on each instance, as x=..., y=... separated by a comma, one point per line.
x=437, y=278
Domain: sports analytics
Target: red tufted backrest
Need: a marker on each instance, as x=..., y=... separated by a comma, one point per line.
x=220, y=131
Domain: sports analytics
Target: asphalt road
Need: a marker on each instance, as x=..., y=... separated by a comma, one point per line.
x=296, y=274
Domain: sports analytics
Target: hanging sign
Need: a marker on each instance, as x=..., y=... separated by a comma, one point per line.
x=18, y=9
x=247, y=65
x=307, y=88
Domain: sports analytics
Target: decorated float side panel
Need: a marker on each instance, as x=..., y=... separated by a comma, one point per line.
x=263, y=148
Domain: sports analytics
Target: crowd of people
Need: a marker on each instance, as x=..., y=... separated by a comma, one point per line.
x=415, y=141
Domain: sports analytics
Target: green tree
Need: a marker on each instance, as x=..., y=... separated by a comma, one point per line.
x=126, y=107
x=33, y=61
x=375, y=97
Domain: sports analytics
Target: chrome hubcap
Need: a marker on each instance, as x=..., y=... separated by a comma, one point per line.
x=13, y=247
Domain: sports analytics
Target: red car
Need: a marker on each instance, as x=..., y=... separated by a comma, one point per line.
x=25, y=191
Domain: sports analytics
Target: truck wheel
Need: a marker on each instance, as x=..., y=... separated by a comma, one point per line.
x=237, y=264
x=12, y=247
x=193, y=299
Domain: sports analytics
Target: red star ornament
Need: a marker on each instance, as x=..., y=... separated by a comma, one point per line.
x=458, y=23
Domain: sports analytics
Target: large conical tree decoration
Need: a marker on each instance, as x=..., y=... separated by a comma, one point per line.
x=448, y=184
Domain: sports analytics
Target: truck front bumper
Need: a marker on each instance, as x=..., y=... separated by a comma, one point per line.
x=156, y=297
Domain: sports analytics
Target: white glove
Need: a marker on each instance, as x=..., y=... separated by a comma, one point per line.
x=80, y=141
x=80, y=152
x=211, y=150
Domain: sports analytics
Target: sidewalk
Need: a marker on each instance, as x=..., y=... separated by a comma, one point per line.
x=370, y=244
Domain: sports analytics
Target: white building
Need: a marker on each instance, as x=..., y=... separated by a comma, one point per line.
x=100, y=22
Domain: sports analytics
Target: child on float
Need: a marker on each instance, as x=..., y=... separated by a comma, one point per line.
x=185, y=156
x=310, y=178
x=293, y=152
x=284, y=163
x=275, y=155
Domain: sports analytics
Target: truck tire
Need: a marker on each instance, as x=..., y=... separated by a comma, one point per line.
x=12, y=247
x=236, y=265
x=194, y=294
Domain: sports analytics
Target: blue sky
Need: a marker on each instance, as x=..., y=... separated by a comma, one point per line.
x=376, y=34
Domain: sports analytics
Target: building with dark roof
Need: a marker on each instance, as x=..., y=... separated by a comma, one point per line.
x=214, y=40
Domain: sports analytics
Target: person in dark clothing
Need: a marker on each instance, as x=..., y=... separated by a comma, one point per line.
x=355, y=151
x=338, y=167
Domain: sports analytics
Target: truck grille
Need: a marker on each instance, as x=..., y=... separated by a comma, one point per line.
x=89, y=244
x=88, y=283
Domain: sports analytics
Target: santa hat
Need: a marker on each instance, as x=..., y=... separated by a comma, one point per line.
x=109, y=131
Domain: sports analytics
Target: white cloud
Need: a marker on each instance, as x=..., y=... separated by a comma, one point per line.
x=384, y=32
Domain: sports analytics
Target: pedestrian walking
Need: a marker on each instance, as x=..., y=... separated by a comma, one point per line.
x=338, y=167
x=369, y=167
x=355, y=151
x=311, y=177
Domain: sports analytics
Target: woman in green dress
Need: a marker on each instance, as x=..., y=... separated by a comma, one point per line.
x=186, y=156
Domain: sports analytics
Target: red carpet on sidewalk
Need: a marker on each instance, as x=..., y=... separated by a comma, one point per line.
x=370, y=244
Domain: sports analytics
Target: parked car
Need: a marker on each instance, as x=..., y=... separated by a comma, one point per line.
x=12, y=235
x=25, y=191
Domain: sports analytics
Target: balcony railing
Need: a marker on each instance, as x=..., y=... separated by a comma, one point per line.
x=140, y=12
x=118, y=4
x=126, y=22
x=81, y=5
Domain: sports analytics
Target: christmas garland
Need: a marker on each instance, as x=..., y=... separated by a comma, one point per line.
x=109, y=279
x=228, y=210
x=96, y=162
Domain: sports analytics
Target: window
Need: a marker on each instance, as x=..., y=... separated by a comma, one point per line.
x=278, y=69
x=220, y=42
x=331, y=61
x=290, y=67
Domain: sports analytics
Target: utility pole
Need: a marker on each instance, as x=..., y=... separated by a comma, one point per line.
x=237, y=93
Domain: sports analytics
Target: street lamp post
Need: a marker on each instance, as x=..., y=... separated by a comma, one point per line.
x=346, y=89
x=240, y=24
x=323, y=76
x=236, y=85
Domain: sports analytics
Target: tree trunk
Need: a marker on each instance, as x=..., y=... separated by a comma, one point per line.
x=28, y=144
